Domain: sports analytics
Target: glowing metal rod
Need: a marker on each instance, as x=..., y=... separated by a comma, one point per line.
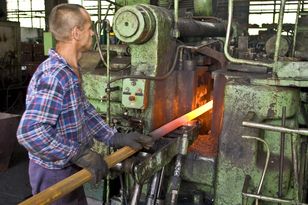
x=165, y=129
x=69, y=184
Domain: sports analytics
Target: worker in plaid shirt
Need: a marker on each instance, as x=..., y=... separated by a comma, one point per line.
x=59, y=124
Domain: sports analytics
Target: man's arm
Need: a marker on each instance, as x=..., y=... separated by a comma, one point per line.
x=37, y=129
x=97, y=127
x=111, y=137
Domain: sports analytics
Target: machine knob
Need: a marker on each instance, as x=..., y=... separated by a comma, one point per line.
x=132, y=98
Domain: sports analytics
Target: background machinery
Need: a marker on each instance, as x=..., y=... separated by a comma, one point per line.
x=169, y=60
x=170, y=57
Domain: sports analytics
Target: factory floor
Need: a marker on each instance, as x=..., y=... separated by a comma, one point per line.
x=14, y=182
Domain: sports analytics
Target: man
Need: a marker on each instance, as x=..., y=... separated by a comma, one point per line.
x=58, y=125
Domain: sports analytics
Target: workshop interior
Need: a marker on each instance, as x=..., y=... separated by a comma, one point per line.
x=225, y=98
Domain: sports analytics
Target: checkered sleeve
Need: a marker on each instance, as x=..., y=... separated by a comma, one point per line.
x=98, y=128
x=37, y=129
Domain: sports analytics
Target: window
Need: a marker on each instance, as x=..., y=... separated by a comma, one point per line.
x=92, y=8
x=267, y=12
x=30, y=13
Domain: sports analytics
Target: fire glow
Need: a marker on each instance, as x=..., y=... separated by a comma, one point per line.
x=165, y=129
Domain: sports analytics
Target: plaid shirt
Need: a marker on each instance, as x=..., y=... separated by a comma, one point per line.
x=58, y=118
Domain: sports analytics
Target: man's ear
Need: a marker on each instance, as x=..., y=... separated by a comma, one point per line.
x=76, y=33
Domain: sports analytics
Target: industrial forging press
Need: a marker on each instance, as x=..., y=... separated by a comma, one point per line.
x=229, y=116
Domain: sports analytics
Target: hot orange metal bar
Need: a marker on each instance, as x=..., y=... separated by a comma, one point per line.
x=165, y=129
x=69, y=184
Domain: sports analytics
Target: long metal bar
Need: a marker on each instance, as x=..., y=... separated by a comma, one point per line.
x=275, y=128
x=282, y=143
x=136, y=194
x=108, y=29
x=176, y=33
x=296, y=27
x=108, y=115
x=192, y=28
x=165, y=129
x=303, y=159
x=245, y=189
x=153, y=189
x=279, y=31
x=69, y=184
x=99, y=18
x=272, y=199
x=295, y=162
x=274, y=11
x=265, y=165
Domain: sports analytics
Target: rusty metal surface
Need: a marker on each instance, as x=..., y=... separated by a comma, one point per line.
x=219, y=56
x=205, y=145
x=8, y=140
x=165, y=150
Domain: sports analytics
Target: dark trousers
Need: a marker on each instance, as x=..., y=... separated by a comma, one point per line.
x=42, y=178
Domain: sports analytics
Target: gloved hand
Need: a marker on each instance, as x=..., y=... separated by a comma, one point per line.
x=132, y=139
x=93, y=162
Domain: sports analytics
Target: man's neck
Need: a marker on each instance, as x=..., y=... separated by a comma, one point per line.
x=69, y=52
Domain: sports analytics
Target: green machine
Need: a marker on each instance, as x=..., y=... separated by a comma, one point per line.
x=250, y=149
x=262, y=156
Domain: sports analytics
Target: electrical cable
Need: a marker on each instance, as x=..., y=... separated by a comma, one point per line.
x=170, y=70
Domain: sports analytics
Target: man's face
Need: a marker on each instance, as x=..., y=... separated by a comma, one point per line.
x=86, y=33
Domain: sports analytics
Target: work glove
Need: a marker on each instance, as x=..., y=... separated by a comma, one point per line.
x=93, y=162
x=133, y=139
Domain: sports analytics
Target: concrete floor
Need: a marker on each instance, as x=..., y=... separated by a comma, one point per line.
x=14, y=182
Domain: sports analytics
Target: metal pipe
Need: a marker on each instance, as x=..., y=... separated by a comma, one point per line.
x=108, y=115
x=194, y=28
x=176, y=33
x=279, y=31
x=106, y=14
x=172, y=197
x=152, y=193
x=275, y=128
x=266, y=161
x=108, y=29
x=18, y=11
x=303, y=160
x=226, y=52
x=296, y=27
x=31, y=13
x=272, y=199
x=282, y=143
x=274, y=12
x=98, y=43
x=162, y=172
x=245, y=189
x=294, y=159
x=114, y=3
x=155, y=187
x=99, y=18
x=136, y=194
